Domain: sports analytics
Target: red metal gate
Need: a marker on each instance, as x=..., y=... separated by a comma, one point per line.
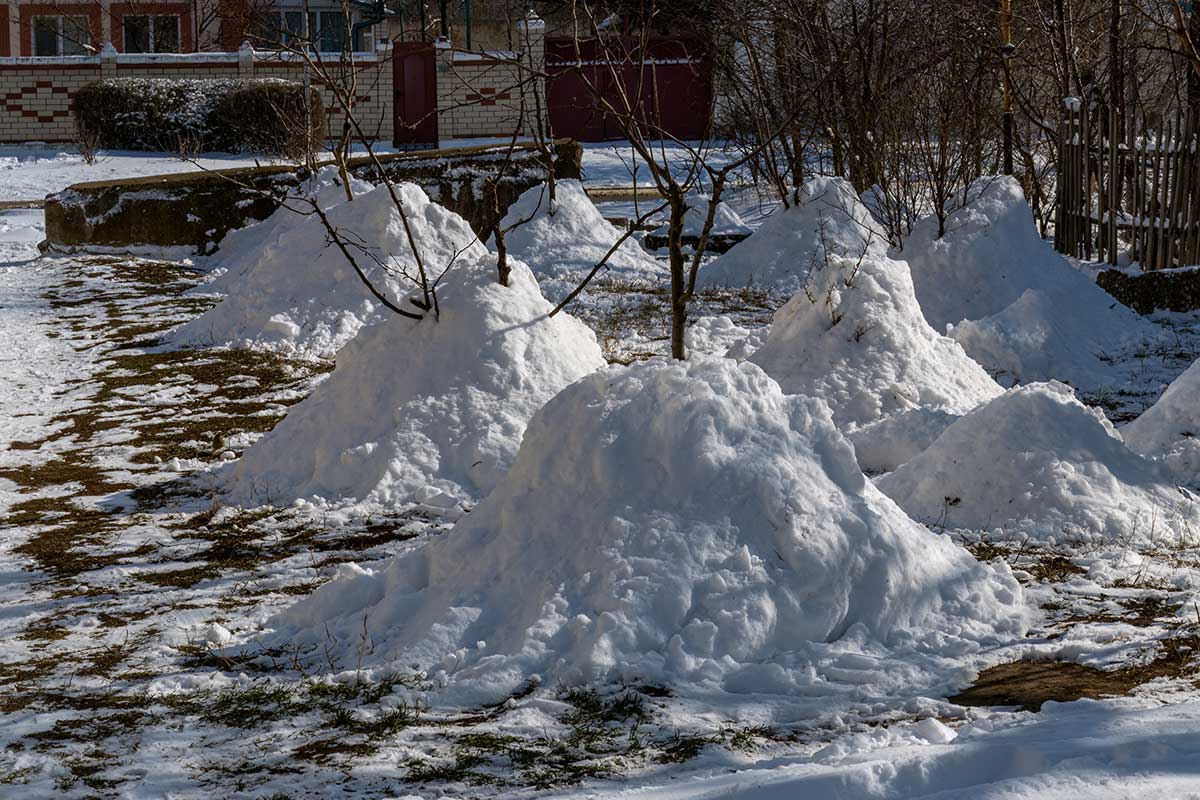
x=414, y=96
x=666, y=86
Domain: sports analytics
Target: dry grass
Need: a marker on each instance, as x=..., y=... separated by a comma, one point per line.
x=1028, y=684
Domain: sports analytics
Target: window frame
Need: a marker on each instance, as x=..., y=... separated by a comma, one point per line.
x=282, y=33
x=152, y=27
x=61, y=41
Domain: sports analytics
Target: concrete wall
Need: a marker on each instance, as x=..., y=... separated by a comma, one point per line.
x=36, y=93
x=197, y=209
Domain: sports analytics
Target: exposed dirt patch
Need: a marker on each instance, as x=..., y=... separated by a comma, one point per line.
x=1029, y=684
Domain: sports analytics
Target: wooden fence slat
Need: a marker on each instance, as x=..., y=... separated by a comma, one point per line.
x=1103, y=185
x=1124, y=185
x=1152, y=206
x=1086, y=185
x=1114, y=190
x=1192, y=237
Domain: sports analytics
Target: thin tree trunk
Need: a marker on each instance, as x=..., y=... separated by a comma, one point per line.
x=679, y=306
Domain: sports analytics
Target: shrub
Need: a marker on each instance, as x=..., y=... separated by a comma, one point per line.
x=227, y=115
x=267, y=116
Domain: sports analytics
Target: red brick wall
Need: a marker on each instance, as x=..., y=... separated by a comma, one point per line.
x=237, y=18
x=35, y=102
x=5, y=46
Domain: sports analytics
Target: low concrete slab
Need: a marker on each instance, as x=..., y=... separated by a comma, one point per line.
x=622, y=194
x=196, y=209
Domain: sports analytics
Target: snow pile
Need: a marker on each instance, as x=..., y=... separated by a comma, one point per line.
x=720, y=335
x=241, y=248
x=1169, y=428
x=726, y=222
x=677, y=522
x=1037, y=461
x=564, y=240
x=427, y=411
x=885, y=444
x=854, y=336
x=828, y=222
x=1029, y=315
x=302, y=297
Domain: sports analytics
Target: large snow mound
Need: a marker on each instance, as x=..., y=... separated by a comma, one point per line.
x=854, y=336
x=827, y=222
x=427, y=411
x=1042, y=336
x=563, y=240
x=1170, y=428
x=243, y=247
x=1036, y=461
x=1030, y=315
x=303, y=298
x=666, y=521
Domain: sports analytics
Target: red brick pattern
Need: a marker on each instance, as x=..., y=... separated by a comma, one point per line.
x=37, y=102
x=479, y=97
x=35, y=98
x=488, y=96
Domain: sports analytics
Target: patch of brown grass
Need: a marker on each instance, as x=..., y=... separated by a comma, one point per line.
x=1029, y=684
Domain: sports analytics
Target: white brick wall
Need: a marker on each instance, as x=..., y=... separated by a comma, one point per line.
x=483, y=94
x=35, y=93
x=478, y=95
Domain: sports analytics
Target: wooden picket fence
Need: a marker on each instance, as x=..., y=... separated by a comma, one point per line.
x=1124, y=188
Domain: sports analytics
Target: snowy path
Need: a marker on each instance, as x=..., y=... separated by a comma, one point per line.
x=30, y=359
x=32, y=172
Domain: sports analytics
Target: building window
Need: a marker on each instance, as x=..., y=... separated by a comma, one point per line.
x=326, y=29
x=279, y=28
x=146, y=33
x=61, y=36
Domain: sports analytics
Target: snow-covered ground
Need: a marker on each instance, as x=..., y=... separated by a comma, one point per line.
x=133, y=594
x=30, y=172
